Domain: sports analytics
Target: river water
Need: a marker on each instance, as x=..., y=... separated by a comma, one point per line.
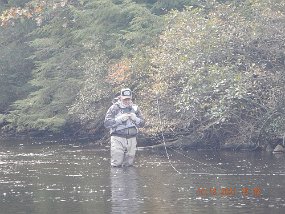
x=54, y=178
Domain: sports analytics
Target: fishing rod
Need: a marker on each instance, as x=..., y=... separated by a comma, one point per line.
x=165, y=147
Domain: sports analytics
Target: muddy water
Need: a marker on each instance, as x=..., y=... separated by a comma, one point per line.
x=76, y=178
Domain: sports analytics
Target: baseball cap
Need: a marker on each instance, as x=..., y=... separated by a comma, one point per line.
x=126, y=93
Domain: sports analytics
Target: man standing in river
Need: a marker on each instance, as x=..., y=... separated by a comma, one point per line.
x=123, y=119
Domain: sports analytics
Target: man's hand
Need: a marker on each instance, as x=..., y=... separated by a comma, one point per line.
x=134, y=118
x=122, y=118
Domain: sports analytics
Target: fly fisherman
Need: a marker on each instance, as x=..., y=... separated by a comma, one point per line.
x=123, y=119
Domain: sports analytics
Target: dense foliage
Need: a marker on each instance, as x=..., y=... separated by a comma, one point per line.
x=220, y=71
x=216, y=67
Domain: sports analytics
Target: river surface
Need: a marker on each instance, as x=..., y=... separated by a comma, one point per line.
x=69, y=178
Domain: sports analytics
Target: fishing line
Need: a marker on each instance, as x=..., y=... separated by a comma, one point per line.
x=186, y=156
x=165, y=148
x=238, y=174
x=162, y=134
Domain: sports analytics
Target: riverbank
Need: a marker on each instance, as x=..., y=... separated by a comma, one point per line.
x=181, y=142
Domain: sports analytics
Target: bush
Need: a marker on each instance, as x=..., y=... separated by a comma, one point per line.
x=218, y=70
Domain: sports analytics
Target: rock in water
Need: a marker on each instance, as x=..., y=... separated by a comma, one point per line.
x=279, y=149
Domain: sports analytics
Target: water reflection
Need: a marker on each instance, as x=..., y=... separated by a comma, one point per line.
x=124, y=185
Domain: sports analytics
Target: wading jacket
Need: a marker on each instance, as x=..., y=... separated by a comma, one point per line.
x=127, y=128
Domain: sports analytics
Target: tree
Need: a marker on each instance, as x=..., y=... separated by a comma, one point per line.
x=56, y=76
x=115, y=32
x=15, y=67
x=68, y=43
x=221, y=68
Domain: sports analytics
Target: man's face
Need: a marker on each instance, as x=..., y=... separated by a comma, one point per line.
x=127, y=101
